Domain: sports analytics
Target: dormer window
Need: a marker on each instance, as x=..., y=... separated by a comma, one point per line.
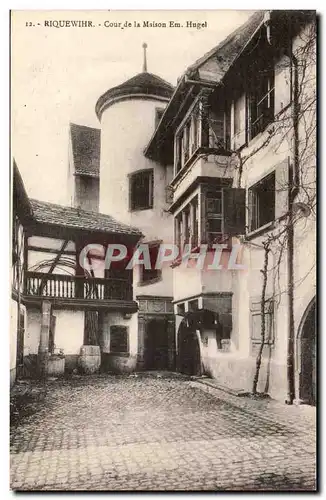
x=141, y=190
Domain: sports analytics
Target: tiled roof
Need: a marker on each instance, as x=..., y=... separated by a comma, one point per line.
x=86, y=148
x=58, y=215
x=143, y=83
x=224, y=54
x=227, y=51
x=21, y=202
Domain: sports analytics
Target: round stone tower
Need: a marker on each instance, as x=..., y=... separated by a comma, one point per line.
x=132, y=187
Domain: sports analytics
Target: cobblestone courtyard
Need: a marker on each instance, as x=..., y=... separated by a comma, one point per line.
x=159, y=433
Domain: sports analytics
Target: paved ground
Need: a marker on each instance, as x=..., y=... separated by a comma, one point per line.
x=149, y=433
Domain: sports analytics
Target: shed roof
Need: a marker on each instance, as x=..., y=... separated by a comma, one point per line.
x=74, y=218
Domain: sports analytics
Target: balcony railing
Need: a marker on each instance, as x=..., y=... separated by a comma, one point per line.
x=77, y=287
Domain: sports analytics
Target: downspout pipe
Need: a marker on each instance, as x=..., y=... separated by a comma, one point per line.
x=294, y=179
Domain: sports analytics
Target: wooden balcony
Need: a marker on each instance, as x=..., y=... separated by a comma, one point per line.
x=59, y=286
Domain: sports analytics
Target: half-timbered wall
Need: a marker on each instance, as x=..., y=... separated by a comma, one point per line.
x=43, y=251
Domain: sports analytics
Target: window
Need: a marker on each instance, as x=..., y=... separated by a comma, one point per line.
x=186, y=225
x=261, y=198
x=214, y=217
x=141, y=190
x=181, y=309
x=261, y=94
x=148, y=276
x=193, y=305
x=119, y=339
x=187, y=140
x=220, y=214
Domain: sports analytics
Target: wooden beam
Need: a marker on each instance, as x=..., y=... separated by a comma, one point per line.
x=54, y=263
x=50, y=250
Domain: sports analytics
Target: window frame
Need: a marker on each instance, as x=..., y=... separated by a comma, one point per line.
x=202, y=225
x=179, y=235
x=158, y=276
x=179, y=159
x=265, y=72
x=252, y=190
x=131, y=176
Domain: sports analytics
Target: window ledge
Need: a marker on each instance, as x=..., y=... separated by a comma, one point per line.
x=198, y=152
x=261, y=230
x=196, y=249
x=140, y=209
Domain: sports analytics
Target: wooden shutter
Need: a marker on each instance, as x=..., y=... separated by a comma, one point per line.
x=282, y=188
x=234, y=204
x=239, y=131
x=282, y=83
x=250, y=210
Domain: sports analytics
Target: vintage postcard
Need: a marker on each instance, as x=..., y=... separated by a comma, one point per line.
x=163, y=254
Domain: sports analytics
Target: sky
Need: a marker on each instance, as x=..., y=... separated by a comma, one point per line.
x=57, y=75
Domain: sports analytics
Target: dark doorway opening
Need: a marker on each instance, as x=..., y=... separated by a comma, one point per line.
x=308, y=357
x=189, y=361
x=156, y=345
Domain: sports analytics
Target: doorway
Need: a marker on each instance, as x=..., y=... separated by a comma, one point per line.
x=157, y=345
x=189, y=361
x=308, y=356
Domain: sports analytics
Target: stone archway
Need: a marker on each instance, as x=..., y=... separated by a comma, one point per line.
x=189, y=359
x=307, y=358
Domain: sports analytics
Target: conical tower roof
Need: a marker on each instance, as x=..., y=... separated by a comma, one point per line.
x=143, y=84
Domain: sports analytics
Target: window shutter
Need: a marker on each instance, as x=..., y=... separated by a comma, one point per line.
x=234, y=202
x=282, y=188
x=282, y=83
x=250, y=210
x=239, y=121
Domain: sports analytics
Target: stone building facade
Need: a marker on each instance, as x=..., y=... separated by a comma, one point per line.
x=226, y=158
